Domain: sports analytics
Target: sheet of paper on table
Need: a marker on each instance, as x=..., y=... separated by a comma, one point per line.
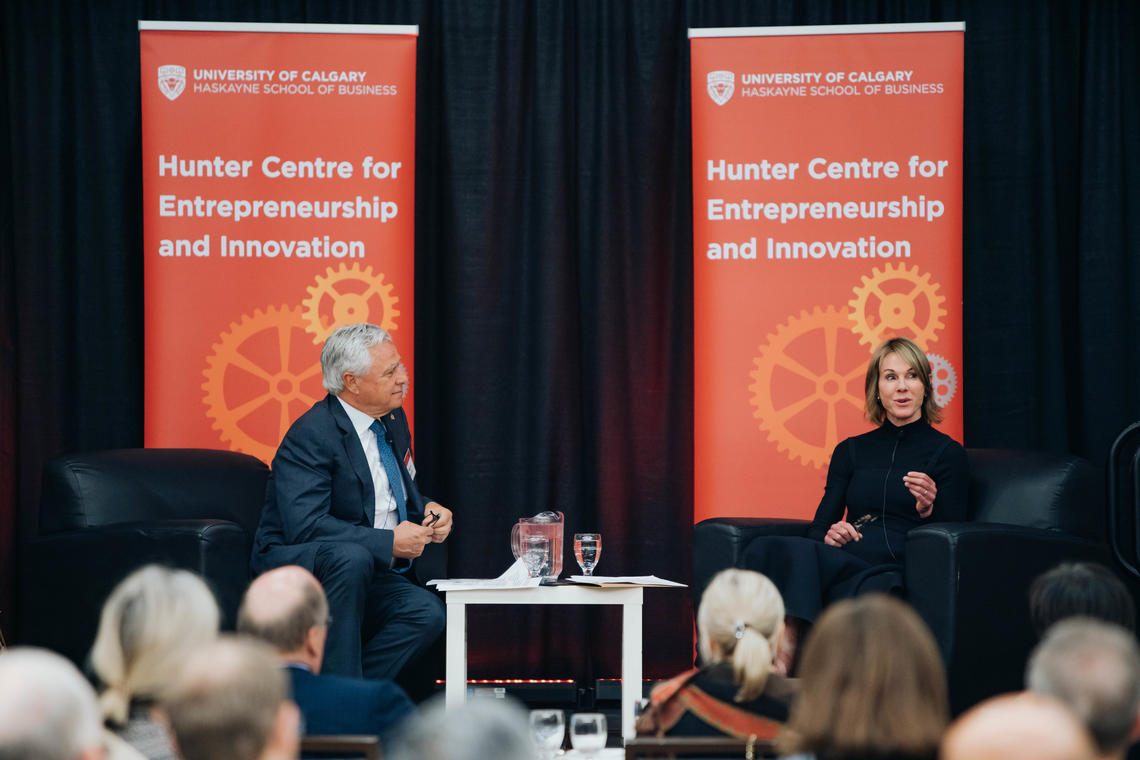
x=624, y=580
x=515, y=577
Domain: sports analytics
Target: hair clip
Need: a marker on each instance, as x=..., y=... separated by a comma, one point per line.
x=740, y=630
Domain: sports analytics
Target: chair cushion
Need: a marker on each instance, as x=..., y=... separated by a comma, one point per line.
x=102, y=488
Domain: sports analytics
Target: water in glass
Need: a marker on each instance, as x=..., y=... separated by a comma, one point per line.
x=588, y=732
x=536, y=555
x=587, y=550
x=547, y=727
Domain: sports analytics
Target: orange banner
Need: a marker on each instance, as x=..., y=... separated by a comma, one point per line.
x=278, y=187
x=827, y=216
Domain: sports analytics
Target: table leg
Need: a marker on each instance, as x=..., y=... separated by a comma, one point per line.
x=455, y=688
x=630, y=664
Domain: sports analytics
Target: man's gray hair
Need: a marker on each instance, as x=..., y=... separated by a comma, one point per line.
x=1094, y=669
x=47, y=709
x=477, y=730
x=346, y=350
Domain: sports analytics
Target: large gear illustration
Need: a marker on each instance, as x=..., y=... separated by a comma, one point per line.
x=897, y=300
x=943, y=378
x=348, y=295
x=807, y=384
x=261, y=375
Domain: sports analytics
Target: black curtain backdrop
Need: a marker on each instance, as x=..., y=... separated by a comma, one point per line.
x=553, y=238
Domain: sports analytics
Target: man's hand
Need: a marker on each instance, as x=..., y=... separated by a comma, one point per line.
x=441, y=528
x=409, y=539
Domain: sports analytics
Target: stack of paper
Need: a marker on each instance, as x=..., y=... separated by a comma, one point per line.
x=624, y=580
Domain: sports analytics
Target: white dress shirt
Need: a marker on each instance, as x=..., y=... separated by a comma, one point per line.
x=386, y=515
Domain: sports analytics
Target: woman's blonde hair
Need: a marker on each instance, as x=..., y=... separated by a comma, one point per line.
x=151, y=620
x=914, y=357
x=872, y=684
x=741, y=610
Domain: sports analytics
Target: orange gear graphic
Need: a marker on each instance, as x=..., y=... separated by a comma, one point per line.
x=261, y=376
x=346, y=296
x=887, y=304
x=802, y=384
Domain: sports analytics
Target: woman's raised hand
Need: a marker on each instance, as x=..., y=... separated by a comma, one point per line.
x=924, y=491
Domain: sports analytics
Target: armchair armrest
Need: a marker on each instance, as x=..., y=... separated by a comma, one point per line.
x=970, y=583
x=719, y=543
x=76, y=570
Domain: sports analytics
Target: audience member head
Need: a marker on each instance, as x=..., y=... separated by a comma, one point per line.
x=1017, y=727
x=480, y=729
x=740, y=621
x=347, y=350
x=149, y=622
x=1080, y=588
x=1093, y=668
x=230, y=701
x=911, y=355
x=872, y=684
x=286, y=608
x=47, y=709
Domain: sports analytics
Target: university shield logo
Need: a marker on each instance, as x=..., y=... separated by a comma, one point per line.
x=172, y=80
x=721, y=85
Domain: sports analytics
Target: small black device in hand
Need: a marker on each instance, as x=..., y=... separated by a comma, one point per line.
x=434, y=518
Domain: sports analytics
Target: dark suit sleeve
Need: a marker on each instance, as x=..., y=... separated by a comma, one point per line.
x=304, y=472
x=834, y=502
x=389, y=706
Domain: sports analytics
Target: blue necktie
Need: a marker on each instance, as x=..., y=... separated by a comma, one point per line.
x=388, y=459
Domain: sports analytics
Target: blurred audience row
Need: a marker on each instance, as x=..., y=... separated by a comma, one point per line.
x=173, y=688
x=869, y=683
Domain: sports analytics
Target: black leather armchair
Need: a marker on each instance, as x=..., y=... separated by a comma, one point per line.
x=105, y=513
x=969, y=581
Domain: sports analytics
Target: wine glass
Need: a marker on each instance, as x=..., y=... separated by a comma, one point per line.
x=536, y=555
x=587, y=550
x=588, y=733
x=547, y=728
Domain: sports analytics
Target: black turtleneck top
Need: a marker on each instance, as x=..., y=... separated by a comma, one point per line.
x=866, y=477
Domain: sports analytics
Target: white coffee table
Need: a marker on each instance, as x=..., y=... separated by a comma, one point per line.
x=629, y=597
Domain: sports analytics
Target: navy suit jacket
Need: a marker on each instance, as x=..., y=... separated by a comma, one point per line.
x=320, y=489
x=340, y=705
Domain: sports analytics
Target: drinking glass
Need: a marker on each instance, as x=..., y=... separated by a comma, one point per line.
x=536, y=555
x=588, y=733
x=547, y=728
x=587, y=550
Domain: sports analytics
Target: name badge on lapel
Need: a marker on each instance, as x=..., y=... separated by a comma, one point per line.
x=409, y=465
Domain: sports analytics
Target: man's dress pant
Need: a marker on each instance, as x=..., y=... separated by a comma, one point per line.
x=380, y=619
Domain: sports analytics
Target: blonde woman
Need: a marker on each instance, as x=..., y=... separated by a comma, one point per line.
x=739, y=624
x=150, y=622
x=880, y=484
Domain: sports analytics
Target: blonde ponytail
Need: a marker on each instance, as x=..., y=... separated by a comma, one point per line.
x=151, y=620
x=742, y=612
x=751, y=663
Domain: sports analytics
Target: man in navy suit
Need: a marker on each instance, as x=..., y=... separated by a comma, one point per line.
x=342, y=502
x=286, y=607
